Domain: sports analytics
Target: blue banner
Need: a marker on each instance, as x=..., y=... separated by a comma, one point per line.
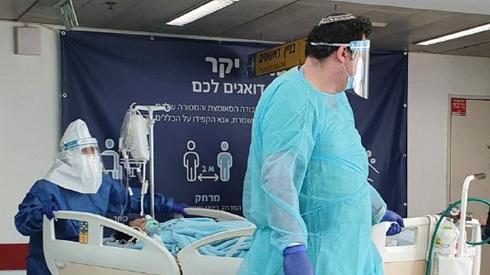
x=382, y=123
x=202, y=140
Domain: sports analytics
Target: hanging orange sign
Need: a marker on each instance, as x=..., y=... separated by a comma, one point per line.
x=277, y=59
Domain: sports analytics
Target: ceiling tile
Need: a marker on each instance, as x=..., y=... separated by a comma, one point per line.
x=12, y=9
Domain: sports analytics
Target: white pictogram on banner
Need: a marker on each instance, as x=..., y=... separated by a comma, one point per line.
x=197, y=171
x=371, y=163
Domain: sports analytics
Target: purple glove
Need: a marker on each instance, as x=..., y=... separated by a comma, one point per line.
x=48, y=209
x=395, y=227
x=296, y=261
x=179, y=208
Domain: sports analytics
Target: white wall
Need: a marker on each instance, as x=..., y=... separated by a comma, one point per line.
x=29, y=120
x=431, y=79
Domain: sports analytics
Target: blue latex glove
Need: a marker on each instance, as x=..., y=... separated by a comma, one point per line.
x=48, y=209
x=179, y=208
x=296, y=261
x=395, y=227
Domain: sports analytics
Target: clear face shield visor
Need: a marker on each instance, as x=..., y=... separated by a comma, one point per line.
x=86, y=148
x=83, y=155
x=360, y=57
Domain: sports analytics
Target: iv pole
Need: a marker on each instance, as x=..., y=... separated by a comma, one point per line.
x=150, y=109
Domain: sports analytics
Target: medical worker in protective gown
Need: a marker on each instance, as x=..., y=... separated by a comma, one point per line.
x=306, y=185
x=76, y=182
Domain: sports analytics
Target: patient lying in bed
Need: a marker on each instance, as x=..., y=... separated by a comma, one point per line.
x=176, y=234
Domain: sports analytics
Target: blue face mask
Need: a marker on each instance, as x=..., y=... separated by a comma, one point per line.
x=350, y=83
x=354, y=81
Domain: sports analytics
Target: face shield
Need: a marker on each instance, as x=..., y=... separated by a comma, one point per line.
x=78, y=165
x=360, y=57
x=86, y=146
x=82, y=150
x=83, y=156
x=360, y=54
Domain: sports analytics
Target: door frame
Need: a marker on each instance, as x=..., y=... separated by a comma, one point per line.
x=449, y=114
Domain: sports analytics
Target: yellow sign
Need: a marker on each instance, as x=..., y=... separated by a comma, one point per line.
x=277, y=59
x=83, y=234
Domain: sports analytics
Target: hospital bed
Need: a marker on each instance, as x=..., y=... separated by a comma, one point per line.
x=94, y=258
x=409, y=257
x=402, y=255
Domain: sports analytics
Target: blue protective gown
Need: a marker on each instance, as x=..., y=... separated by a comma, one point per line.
x=306, y=182
x=110, y=200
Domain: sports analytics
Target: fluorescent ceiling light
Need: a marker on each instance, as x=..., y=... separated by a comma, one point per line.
x=455, y=35
x=379, y=24
x=68, y=13
x=206, y=9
